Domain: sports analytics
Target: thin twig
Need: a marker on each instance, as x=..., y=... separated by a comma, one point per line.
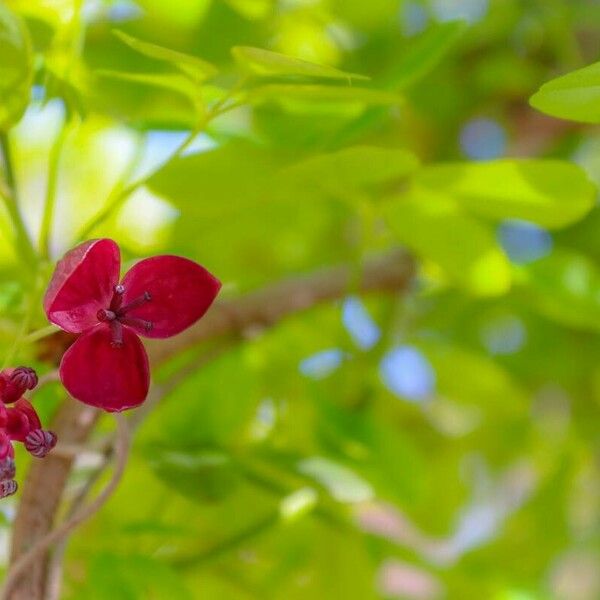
x=39, y=334
x=29, y=312
x=11, y=201
x=55, y=568
x=42, y=545
x=53, y=164
x=120, y=193
x=46, y=378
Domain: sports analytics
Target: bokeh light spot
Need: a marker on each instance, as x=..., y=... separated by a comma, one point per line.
x=524, y=242
x=321, y=364
x=505, y=334
x=483, y=139
x=470, y=11
x=413, y=18
x=407, y=373
x=359, y=324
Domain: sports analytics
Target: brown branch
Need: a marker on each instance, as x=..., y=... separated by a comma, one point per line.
x=244, y=316
x=41, y=546
x=248, y=315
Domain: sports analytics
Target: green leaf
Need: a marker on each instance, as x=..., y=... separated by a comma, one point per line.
x=16, y=68
x=352, y=170
x=484, y=377
x=564, y=286
x=197, y=69
x=465, y=249
x=169, y=81
x=425, y=54
x=574, y=96
x=550, y=193
x=343, y=484
x=283, y=93
x=265, y=63
x=202, y=475
x=252, y=9
x=130, y=577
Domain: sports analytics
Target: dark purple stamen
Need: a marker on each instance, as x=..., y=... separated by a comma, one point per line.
x=140, y=323
x=106, y=315
x=145, y=297
x=117, y=333
x=117, y=298
x=116, y=317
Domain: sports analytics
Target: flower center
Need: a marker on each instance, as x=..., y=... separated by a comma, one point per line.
x=116, y=315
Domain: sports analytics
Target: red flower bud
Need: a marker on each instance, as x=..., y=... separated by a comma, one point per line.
x=7, y=468
x=8, y=488
x=15, y=382
x=39, y=442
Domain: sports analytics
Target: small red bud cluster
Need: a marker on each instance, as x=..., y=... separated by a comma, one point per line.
x=19, y=422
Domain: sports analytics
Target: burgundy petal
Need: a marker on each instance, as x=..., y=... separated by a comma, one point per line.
x=22, y=418
x=6, y=449
x=82, y=284
x=99, y=374
x=180, y=290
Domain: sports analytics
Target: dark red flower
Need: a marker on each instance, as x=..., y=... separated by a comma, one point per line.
x=159, y=297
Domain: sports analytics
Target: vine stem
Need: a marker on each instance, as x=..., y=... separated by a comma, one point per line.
x=10, y=197
x=40, y=334
x=50, y=201
x=122, y=444
x=29, y=312
x=120, y=193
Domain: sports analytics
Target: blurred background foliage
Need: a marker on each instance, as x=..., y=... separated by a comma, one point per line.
x=442, y=442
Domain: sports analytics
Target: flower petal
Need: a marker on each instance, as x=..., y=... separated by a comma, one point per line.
x=181, y=292
x=99, y=374
x=6, y=449
x=22, y=418
x=82, y=283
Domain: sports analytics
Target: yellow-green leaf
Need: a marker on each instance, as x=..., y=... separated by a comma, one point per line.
x=574, y=96
x=265, y=63
x=16, y=70
x=169, y=81
x=551, y=193
x=283, y=93
x=465, y=249
x=352, y=170
x=194, y=67
x=565, y=287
